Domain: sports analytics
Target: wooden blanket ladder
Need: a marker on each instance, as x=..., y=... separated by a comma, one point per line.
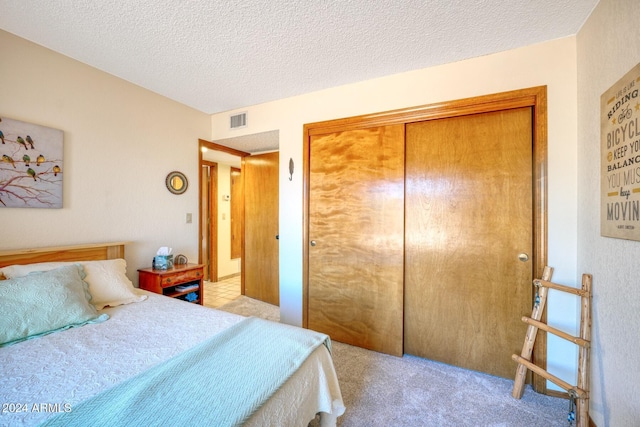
x=580, y=392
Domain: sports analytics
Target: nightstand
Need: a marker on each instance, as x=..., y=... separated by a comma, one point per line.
x=172, y=281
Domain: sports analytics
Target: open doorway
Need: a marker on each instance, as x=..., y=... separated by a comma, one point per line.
x=222, y=200
x=221, y=210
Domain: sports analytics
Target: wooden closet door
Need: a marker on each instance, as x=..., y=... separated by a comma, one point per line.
x=468, y=217
x=260, y=268
x=356, y=232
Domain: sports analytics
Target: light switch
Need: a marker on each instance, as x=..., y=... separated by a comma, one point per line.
x=188, y=218
x=224, y=216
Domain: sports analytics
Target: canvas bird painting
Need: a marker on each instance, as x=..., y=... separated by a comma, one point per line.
x=31, y=168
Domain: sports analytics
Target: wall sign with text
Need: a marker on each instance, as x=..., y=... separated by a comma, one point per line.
x=620, y=158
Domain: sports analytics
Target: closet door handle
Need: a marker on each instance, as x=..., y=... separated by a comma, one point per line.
x=523, y=257
x=312, y=243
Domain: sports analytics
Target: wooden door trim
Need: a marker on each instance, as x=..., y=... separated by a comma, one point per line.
x=217, y=147
x=202, y=143
x=535, y=97
x=461, y=107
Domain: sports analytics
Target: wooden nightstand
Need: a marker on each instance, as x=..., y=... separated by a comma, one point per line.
x=165, y=281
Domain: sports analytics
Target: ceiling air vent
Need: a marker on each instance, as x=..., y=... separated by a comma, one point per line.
x=238, y=121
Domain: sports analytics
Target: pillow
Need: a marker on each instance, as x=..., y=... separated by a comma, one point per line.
x=45, y=302
x=107, y=279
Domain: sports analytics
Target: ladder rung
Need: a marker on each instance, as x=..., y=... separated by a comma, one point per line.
x=580, y=394
x=576, y=340
x=563, y=288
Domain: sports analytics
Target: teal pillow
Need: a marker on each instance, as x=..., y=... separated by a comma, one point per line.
x=45, y=302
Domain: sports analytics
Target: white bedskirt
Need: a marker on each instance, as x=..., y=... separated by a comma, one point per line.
x=53, y=373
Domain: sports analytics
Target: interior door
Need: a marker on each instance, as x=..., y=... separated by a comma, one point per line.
x=468, y=217
x=237, y=212
x=204, y=218
x=208, y=218
x=356, y=202
x=260, y=268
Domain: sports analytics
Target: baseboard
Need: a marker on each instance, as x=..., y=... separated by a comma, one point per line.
x=228, y=277
x=555, y=393
x=564, y=395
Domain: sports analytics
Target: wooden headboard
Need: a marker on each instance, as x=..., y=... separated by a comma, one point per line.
x=88, y=252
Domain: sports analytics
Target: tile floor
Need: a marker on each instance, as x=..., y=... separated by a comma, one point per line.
x=222, y=292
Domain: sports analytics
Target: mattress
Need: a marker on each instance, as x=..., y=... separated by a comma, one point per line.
x=50, y=374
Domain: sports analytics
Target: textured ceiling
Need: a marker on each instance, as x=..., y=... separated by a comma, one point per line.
x=253, y=143
x=216, y=55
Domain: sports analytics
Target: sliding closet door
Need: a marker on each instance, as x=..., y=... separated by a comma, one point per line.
x=356, y=232
x=468, y=218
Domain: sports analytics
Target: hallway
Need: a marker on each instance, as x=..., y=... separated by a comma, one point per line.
x=219, y=293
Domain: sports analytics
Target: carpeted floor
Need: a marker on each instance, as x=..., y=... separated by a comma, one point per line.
x=250, y=307
x=383, y=390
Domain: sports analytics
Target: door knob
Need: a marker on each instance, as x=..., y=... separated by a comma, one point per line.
x=312, y=243
x=523, y=257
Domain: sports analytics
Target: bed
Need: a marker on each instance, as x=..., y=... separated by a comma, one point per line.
x=152, y=358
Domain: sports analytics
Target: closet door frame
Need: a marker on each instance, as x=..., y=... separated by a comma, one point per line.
x=535, y=97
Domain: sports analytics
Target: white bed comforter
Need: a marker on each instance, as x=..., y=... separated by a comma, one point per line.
x=52, y=373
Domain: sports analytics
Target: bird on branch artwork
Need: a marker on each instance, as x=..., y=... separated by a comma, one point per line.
x=31, y=166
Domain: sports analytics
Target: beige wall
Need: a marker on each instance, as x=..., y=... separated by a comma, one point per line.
x=120, y=142
x=608, y=47
x=552, y=64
